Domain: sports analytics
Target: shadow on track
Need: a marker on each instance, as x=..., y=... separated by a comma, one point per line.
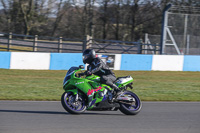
x=32, y=112
x=53, y=112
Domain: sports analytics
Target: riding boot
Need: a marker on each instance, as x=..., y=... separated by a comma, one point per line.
x=114, y=86
x=115, y=92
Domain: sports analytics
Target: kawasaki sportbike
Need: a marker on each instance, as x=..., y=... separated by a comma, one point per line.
x=87, y=93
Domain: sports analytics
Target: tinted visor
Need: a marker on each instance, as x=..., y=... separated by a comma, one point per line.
x=85, y=57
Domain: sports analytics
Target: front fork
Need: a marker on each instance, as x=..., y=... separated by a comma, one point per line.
x=76, y=97
x=110, y=95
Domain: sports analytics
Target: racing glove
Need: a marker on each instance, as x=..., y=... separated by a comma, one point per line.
x=88, y=73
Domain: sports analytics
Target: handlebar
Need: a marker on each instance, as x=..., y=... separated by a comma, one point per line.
x=85, y=73
x=81, y=74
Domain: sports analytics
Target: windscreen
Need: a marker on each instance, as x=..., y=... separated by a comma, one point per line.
x=72, y=69
x=68, y=75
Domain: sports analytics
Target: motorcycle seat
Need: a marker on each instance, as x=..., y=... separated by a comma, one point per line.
x=121, y=78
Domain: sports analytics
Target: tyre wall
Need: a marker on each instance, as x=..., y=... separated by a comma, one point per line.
x=130, y=62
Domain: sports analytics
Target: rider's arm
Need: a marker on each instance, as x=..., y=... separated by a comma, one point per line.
x=98, y=65
x=87, y=72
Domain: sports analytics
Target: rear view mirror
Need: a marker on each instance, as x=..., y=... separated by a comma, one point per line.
x=81, y=67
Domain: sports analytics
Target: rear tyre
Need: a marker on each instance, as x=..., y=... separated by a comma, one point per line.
x=70, y=105
x=131, y=109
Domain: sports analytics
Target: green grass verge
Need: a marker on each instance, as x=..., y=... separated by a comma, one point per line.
x=148, y=85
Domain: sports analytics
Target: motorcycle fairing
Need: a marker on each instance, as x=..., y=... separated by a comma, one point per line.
x=90, y=86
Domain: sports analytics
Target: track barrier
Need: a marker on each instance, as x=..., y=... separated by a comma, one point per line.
x=130, y=62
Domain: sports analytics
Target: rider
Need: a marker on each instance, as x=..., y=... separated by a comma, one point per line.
x=98, y=67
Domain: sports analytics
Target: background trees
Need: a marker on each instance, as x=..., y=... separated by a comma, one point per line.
x=102, y=19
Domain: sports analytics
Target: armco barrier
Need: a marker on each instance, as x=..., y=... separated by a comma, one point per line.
x=5, y=60
x=167, y=63
x=136, y=62
x=63, y=61
x=191, y=63
x=27, y=60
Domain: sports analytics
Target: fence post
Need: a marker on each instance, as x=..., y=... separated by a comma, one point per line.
x=188, y=45
x=84, y=44
x=139, y=48
x=60, y=41
x=35, y=43
x=9, y=41
x=155, y=48
x=164, y=28
x=89, y=42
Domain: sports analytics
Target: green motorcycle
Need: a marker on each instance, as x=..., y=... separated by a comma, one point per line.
x=87, y=93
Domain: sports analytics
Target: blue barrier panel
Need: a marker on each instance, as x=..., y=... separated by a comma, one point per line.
x=136, y=62
x=5, y=60
x=191, y=63
x=64, y=61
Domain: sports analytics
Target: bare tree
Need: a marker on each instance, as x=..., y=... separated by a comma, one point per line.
x=27, y=10
x=7, y=22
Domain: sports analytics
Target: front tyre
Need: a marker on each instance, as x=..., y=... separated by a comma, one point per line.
x=71, y=105
x=132, y=109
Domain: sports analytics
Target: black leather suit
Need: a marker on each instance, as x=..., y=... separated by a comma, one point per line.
x=98, y=67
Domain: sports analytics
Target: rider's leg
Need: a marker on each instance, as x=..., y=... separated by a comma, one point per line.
x=108, y=80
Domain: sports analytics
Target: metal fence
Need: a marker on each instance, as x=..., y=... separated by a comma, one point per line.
x=192, y=44
x=181, y=30
x=121, y=47
x=18, y=42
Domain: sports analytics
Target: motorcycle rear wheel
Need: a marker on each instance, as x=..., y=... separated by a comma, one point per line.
x=71, y=106
x=131, y=109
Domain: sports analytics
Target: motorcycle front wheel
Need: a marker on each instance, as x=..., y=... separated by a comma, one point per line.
x=132, y=109
x=71, y=105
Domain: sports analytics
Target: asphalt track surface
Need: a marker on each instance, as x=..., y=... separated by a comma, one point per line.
x=50, y=117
